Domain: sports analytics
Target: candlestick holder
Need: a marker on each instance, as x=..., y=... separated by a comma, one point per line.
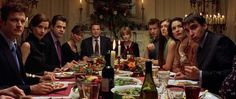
x=118, y=64
x=142, y=9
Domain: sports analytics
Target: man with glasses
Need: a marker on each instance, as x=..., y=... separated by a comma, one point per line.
x=214, y=54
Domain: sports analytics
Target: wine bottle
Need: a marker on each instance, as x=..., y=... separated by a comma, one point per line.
x=148, y=89
x=107, y=82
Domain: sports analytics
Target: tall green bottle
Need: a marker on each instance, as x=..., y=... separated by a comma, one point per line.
x=148, y=90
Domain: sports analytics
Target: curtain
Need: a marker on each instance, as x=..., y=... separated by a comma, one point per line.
x=231, y=20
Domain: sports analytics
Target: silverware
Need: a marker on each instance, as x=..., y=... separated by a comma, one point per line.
x=203, y=94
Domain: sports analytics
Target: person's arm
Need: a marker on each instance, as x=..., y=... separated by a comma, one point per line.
x=170, y=55
x=224, y=54
x=13, y=91
x=41, y=88
x=25, y=50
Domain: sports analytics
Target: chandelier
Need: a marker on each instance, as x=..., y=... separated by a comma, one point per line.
x=209, y=9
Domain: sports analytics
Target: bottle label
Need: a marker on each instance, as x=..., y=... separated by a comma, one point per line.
x=105, y=85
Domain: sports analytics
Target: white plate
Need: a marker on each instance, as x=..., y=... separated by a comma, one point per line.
x=137, y=81
x=210, y=96
x=180, y=94
x=64, y=74
x=59, y=85
x=123, y=73
x=177, y=82
x=125, y=87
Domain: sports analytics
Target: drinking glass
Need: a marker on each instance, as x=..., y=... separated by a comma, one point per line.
x=155, y=71
x=163, y=77
x=192, y=91
x=88, y=90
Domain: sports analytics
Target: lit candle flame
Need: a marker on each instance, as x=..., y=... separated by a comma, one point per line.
x=80, y=1
x=114, y=44
x=142, y=1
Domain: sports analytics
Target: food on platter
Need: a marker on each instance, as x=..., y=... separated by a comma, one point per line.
x=181, y=82
x=59, y=85
x=64, y=74
x=123, y=73
x=120, y=81
x=131, y=90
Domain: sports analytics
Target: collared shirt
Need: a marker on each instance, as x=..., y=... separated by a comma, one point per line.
x=54, y=40
x=9, y=42
x=94, y=43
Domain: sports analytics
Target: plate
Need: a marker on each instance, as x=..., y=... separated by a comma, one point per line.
x=123, y=73
x=121, y=81
x=59, y=85
x=210, y=95
x=172, y=74
x=180, y=94
x=64, y=75
x=181, y=82
x=121, y=90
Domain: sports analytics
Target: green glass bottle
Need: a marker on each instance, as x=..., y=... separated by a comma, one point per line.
x=148, y=90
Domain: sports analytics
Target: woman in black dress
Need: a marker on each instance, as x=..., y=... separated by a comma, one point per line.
x=128, y=47
x=69, y=49
x=33, y=48
x=228, y=89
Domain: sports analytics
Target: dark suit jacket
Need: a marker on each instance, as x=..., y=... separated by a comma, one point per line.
x=87, y=46
x=215, y=60
x=52, y=59
x=9, y=73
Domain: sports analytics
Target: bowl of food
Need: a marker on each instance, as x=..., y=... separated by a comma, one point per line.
x=126, y=91
x=121, y=81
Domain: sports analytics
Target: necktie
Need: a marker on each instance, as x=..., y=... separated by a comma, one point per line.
x=96, y=47
x=58, y=44
x=13, y=51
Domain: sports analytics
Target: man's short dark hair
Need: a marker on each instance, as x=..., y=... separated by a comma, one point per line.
x=154, y=21
x=192, y=17
x=12, y=7
x=95, y=23
x=58, y=18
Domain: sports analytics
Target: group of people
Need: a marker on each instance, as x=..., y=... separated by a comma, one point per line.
x=184, y=46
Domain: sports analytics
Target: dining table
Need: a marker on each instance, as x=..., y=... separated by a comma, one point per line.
x=65, y=93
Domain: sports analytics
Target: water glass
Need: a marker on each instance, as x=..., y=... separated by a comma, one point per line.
x=88, y=90
x=163, y=77
x=192, y=91
x=155, y=71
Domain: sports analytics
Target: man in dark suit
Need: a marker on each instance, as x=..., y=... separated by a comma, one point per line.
x=95, y=45
x=214, y=54
x=12, y=69
x=52, y=39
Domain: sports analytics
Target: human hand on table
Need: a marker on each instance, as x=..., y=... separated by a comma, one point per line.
x=180, y=75
x=192, y=72
x=11, y=93
x=48, y=77
x=41, y=88
x=150, y=47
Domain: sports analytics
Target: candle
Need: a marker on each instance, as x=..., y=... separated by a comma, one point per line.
x=80, y=2
x=26, y=22
x=142, y=3
x=113, y=54
x=119, y=48
x=223, y=19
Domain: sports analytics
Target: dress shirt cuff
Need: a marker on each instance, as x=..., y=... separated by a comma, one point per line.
x=200, y=78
